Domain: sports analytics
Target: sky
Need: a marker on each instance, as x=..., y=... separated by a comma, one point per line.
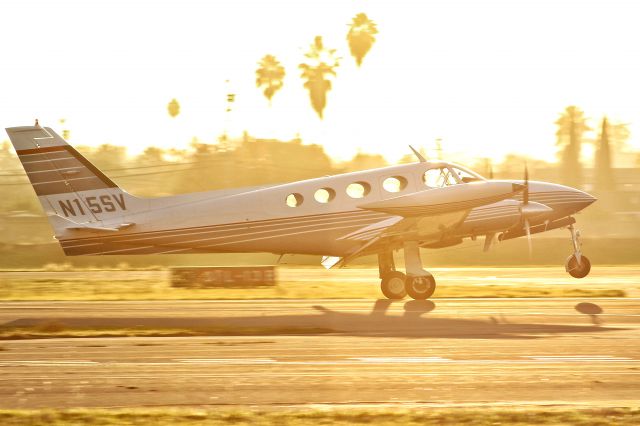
x=488, y=78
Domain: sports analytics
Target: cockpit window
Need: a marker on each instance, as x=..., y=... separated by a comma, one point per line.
x=439, y=177
x=466, y=176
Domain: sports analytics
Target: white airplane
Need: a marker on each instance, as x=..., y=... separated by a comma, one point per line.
x=341, y=217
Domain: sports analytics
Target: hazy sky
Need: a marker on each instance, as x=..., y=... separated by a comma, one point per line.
x=488, y=77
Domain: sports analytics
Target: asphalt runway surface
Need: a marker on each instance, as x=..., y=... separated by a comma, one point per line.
x=583, y=352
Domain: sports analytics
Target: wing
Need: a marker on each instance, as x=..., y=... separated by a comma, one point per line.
x=425, y=216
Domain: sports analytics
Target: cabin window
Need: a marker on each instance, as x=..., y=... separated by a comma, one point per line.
x=438, y=177
x=394, y=184
x=294, y=200
x=324, y=195
x=358, y=189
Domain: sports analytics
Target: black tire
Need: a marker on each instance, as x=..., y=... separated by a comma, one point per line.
x=420, y=288
x=575, y=270
x=393, y=285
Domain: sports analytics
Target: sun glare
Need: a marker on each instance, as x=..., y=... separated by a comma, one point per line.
x=487, y=79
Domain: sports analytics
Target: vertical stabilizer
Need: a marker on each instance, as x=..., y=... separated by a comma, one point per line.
x=66, y=183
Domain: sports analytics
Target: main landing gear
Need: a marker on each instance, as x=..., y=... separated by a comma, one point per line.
x=417, y=283
x=577, y=265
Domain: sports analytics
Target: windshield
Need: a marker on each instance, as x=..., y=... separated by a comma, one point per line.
x=439, y=177
x=465, y=175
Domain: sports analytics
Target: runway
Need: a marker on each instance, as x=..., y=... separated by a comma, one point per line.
x=446, y=352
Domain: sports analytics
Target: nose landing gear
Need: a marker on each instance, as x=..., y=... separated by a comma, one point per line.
x=577, y=265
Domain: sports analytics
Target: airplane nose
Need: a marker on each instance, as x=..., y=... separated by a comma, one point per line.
x=579, y=199
x=562, y=199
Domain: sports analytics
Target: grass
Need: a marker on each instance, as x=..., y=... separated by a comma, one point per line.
x=383, y=417
x=104, y=285
x=57, y=329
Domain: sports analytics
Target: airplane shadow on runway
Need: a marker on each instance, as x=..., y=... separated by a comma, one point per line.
x=378, y=322
x=413, y=324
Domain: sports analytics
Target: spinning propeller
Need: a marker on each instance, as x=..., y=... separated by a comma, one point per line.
x=524, y=207
x=530, y=209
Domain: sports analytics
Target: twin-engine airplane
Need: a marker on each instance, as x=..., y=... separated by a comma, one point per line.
x=342, y=217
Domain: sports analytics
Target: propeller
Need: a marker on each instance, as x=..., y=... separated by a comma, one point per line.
x=525, y=205
x=525, y=192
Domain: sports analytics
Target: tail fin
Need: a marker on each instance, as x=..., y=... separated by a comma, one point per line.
x=67, y=184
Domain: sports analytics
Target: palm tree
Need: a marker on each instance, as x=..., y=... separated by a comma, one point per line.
x=572, y=125
x=270, y=76
x=321, y=64
x=361, y=36
x=604, y=174
x=173, y=108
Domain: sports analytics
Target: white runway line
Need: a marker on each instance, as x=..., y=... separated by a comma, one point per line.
x=400, y=360
x=237, y=361
x=334, y=361
x=47, y=363
x=356, y=360
x=579, y=358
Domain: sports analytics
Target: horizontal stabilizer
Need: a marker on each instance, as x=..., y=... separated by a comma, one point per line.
x=60, y=223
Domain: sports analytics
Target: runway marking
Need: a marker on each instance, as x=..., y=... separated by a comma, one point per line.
x=354, y=360
x=48, y=363
x=400, y=359
x=494, y=377
x=240, y=361
x=579, y=358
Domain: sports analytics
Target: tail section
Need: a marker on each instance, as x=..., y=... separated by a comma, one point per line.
x=67, y=184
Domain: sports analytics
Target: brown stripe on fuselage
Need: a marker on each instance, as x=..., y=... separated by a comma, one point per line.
x=258, y=225
x=216, y=236
x=230, y=242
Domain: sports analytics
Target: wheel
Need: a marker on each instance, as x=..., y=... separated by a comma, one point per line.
x=393, y=286
x=575, y=270
x=420, y=288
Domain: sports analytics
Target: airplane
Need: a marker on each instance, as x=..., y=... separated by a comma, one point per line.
x=427, y=204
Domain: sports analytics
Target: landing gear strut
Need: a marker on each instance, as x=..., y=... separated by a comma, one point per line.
x=577, y=265
x=417, y=283
x=392, y=284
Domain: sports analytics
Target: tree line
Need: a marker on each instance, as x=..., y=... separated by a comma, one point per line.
x=572, y=129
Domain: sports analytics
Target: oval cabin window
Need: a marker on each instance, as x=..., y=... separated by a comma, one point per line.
x=324, y=195
x=358, y=189
x=394, y=184
x=294, y=200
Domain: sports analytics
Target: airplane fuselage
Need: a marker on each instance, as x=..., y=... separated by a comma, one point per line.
x=305, y=217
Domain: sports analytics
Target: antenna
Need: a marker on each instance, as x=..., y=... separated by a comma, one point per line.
x=420, y=157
